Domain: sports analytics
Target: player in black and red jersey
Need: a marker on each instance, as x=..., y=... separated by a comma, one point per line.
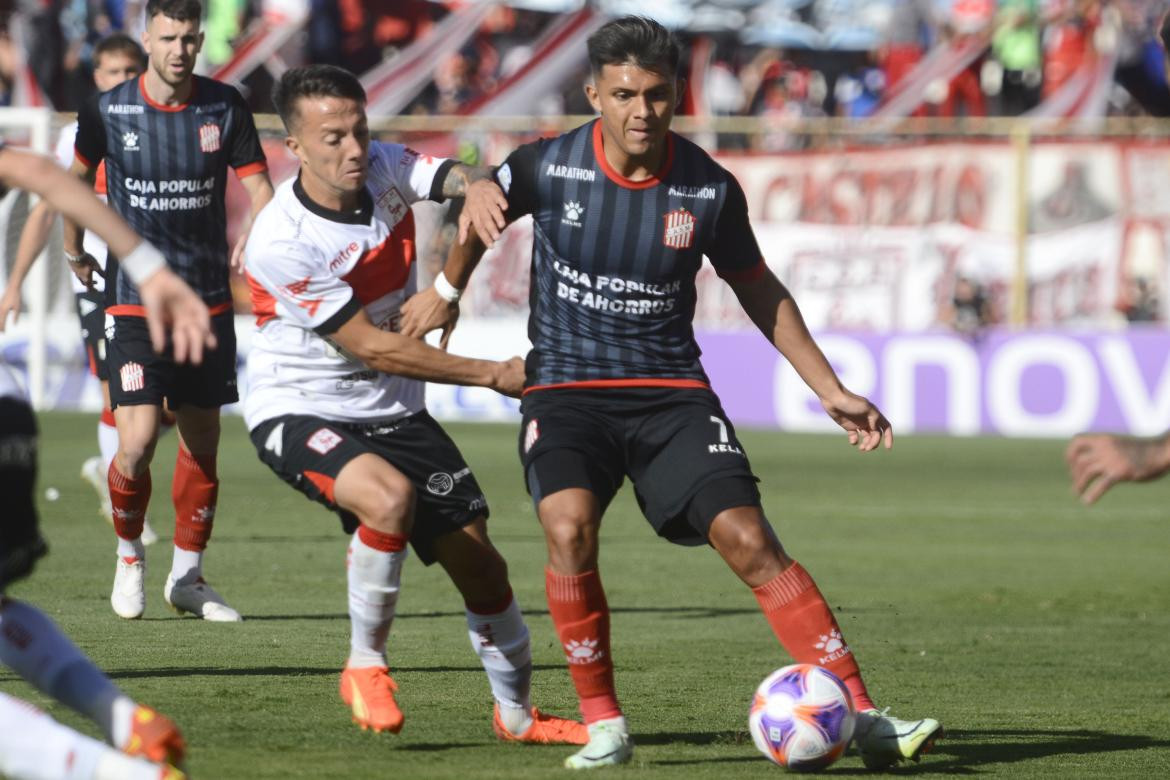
x=623, y=213
x=167, y=139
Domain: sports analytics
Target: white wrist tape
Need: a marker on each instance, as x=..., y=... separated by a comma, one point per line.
x=142, y=263
x=447, y=291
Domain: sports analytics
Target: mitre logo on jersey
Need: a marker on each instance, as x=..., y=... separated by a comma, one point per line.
x=133, y=377
x=130, y=141
x=573, y=212
x=209, y=137
x=679, y=230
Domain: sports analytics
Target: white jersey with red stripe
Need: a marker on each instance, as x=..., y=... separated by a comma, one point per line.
x=92, y=244
x=310, y=269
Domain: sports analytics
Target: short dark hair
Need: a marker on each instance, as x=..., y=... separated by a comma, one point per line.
x=634, y=39
x=118, y=43
x=179, y=10
x=313, y=81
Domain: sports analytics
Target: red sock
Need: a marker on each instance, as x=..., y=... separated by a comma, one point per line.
x=108, y=417
x=581, y=616
x=129, y=498
x=804, y=624
x=194, y=493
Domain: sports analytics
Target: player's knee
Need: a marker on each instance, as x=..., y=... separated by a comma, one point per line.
x=743, y=534
x=134, y=456
x=572, y=533
x=388, y=506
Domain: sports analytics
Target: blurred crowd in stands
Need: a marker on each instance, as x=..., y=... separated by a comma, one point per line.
x=777, y=57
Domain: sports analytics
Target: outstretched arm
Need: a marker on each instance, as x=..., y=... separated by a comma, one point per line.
x=485, y=206
x=259, y=189
x=1097, y=462
x=772, y=308
x=394, y=353
x=32, y=240
x=437, y=307
x=168, y=300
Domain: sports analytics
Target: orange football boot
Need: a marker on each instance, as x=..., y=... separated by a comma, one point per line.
x=545, y=730
x=155, y=737
x=369, y=692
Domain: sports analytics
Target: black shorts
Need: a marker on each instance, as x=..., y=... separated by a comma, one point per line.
x=673, y=443
x=20, y=538
x=91, y=310
x=139, y=375
x=310, y=452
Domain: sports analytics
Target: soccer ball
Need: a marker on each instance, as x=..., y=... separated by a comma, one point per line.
x=802, y=717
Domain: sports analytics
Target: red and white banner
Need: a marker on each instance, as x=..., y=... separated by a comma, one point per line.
x=555, y=55
x=943, y=63
x=393, y=84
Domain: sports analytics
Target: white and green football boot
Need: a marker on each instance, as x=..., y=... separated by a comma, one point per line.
x=609, y=745
x=883, y=741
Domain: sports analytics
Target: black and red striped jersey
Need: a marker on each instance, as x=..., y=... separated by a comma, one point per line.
x=612, y=296
x=166, y=173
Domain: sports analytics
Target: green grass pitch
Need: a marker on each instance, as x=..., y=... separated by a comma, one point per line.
x=970, y=584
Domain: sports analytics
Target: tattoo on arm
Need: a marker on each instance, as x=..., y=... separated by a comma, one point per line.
x=459, y=177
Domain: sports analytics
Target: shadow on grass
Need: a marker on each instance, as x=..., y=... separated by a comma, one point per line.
x=280, y=671
x=959, y=753
x=697, y=612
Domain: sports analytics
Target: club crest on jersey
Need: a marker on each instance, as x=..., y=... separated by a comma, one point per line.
x=679, y=229
x=323, y=441
x=392, y=201
x=130, y=141
x=133, y=377
x=209, y=137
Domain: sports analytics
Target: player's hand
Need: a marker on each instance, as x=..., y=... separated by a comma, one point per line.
x=171, y=303
x=11, y=302
x=509, y=379
x=483, y=209
x=1097, y=462
x=84, y=267
x=866, y=425
x=237, y=262
x=426, y=311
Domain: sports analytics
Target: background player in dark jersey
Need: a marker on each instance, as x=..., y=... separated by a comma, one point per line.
x=167, y=139
x=623, y=213
x=117, y=58
x=174, y=313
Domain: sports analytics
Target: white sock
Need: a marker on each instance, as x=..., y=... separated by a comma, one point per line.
x=618, y=723
x=373, y=595
x=502, y=643
x=131, y=548
x=107, y=436
x=186, y=566
x=33, y=746
x=38, y=651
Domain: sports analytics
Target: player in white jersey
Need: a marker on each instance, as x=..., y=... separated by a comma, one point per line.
x=335, y=394
x=115, y=59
